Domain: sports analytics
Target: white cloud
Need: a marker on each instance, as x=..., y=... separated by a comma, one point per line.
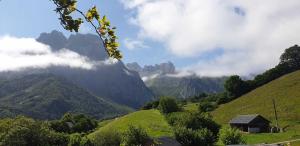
x=133, y=3
x=253, y=33
x=146, y=78
x=21, y=53
x=131, y=44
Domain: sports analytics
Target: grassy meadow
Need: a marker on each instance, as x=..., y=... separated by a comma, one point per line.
x=285, y=91
x=151, y=120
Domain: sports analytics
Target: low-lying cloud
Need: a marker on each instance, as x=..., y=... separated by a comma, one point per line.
x=251, y=33
x=132, y=44
x=20, y=53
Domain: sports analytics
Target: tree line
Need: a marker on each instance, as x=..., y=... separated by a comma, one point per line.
x=235, y=86
x=289, y=62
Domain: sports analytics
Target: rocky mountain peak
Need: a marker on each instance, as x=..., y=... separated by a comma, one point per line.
x=148, y=70
x=84, y=44
x=55, y=39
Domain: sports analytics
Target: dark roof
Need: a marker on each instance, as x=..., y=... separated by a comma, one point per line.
x=245, y=119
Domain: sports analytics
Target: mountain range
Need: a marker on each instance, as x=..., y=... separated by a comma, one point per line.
x=163, y=80
x=113, y=82
x=106, y=90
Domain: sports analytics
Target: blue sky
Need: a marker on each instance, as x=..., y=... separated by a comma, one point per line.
x=208, y=37
x=29, y=18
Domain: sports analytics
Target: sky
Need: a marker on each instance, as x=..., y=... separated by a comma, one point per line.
x=207, y=37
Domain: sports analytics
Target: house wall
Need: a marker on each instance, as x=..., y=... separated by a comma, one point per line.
x=241, y=127
x=257, y=125
x=253, y=129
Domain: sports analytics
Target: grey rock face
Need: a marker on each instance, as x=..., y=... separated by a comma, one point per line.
x=148, y=70
x=162, y=80
x=134, y=66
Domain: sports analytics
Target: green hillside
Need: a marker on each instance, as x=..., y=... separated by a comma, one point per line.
x=285, y=91
x=150, y=120
x=45, y=96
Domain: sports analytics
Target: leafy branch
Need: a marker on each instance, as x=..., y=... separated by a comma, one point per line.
x=65, y=8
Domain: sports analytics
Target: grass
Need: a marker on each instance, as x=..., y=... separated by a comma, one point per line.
x=297, y=143
x=150, y=120
x=103, y=123
x=285, y=91
x=271, y=137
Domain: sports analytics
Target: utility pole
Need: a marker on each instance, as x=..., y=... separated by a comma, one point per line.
x=275, y=112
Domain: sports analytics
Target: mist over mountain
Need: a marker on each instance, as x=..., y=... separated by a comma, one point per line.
x=164, y=80
x=109, y=80
x=112, y=81
x=84, y=44
x=149, y=70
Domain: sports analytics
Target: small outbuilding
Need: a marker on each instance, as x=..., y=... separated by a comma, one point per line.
x=250, y=123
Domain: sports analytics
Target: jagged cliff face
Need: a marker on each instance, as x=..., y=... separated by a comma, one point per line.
x=84, y=44
x=149, y=70
x=112, y=81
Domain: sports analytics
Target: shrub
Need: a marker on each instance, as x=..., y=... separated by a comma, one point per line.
x=150, y=105
x=23, y=131
x=85, y=141
x=135, y=136
x=71, y=123
x=168, y=105
x=107, y=138
x=74, y=139
x=230, y=136
x=177, y=118
x=206, y=106
x=189, y=137
x=194, y=121
x=77, y=139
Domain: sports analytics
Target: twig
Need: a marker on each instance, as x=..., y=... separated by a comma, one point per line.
x=83, y=15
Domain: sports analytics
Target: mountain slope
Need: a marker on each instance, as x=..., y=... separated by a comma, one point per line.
x=163, y=80
x=183, y=87
x=113, y=82
x=45, y=96
x=285, y=91
x=151, y=120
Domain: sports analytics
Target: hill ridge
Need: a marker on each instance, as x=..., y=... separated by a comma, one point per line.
x=285, y=91
x=46, y=96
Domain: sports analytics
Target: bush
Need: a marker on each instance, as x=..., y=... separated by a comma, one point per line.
x=206, y=106
x=230, y=136
x=150, y=105
x=23, y=131
x=74, y=139
x=107, y=138
x=135, y=136
x=177, y=118
x=168, y=105
x=189, y=137
x=77, y=139
x=71, y=123
x=194, y=121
